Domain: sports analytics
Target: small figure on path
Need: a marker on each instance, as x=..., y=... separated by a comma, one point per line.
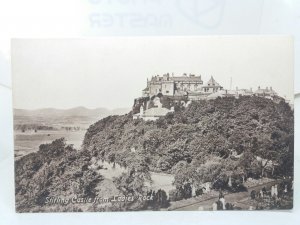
x=272, y=191
x=229, y=182
x=264, y=190
x=253, y=194
x=222, y=200
x=276, y=190
x=214, y=206
x=221, y=195
x=261, y=194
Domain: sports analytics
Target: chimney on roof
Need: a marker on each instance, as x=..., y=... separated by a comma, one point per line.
x=271, y=89
x=166, y=77
x=258, y=87
x=251, y=89
x=237, y=88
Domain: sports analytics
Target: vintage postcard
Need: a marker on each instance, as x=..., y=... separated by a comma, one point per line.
x=153, y=123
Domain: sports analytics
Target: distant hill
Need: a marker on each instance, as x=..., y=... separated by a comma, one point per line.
x=77, y=111
x=78, y=116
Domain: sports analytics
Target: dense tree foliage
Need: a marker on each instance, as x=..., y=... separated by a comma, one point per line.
x=219, y=141
x=207, y=141
x=56, y=170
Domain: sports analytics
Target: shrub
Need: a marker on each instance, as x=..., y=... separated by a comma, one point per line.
x=229, y=206
x=85, y=167
x=78, y=174
x=187, y=190
x=164, y=164
x=176, y=195
x=219, y=184
x=41, y=197
x=199, y=191
x=253, y=194
x=160, y=199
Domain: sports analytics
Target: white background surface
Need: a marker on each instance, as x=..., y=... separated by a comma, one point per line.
x=93, y=18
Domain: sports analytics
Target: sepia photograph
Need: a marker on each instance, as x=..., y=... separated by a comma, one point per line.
x=201, y=123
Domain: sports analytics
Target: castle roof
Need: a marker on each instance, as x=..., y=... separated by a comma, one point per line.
x=187, y=79
x=268, y=91
x=184, y=78
x=212, y=82
x=245, y=90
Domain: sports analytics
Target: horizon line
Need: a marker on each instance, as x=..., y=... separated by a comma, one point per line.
x=57, y=108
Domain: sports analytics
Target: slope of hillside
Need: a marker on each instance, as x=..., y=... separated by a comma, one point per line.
x=251, y=125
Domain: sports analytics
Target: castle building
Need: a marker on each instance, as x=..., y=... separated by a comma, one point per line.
x=188, y=87
x=244, y=92
x=212, y=86
x=265, y=92
x=193, y=88
x=180, y=85
x=172, y=85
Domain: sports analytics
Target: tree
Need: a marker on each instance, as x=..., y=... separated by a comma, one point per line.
x=160, y=199
x=176, y=194
x=133, y=181
x=187, y=190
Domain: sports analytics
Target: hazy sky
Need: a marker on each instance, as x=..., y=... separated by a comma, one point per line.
x=111, y=72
